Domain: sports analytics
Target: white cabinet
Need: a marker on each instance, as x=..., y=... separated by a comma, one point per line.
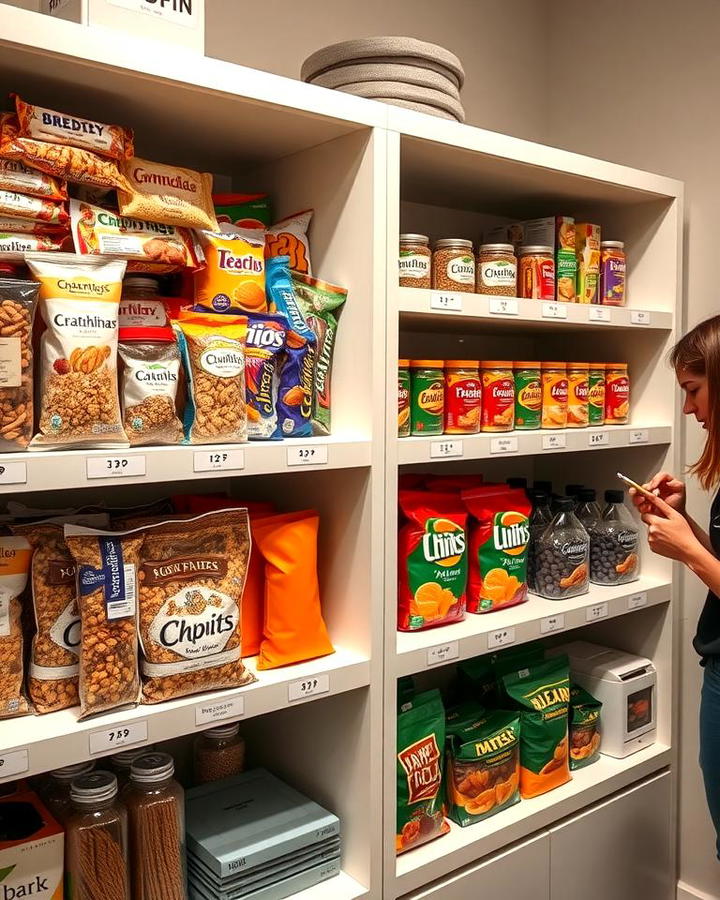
x=617, y=850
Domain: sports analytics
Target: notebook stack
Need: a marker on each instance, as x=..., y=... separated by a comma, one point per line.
x=251, y=836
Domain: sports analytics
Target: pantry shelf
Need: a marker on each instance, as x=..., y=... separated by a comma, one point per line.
x=465, y=845
x=341, y=887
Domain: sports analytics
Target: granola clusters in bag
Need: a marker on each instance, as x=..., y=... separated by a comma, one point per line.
x=14, y=564
x=169, y=194
x=17, y=309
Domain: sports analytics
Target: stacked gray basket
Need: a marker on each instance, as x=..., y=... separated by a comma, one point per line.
x=398, y=70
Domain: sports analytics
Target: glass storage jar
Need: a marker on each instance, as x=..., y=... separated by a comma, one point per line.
x=537, y=272
x=614, y=554
x=57, y=793
x=563, y=555
x=414, y=261
x=497, y=270
x=218, y=753
x=617, y=394
x=453, y=265
x=612, y=273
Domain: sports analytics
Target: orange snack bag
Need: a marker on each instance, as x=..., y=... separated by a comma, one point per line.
x=289, y=238
x=234, y=277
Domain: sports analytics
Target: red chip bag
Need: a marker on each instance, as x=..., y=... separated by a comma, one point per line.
x=499, y=537
x=432, y=560
x=449, y=484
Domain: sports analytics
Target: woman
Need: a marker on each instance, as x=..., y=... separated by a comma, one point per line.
x=674, y=534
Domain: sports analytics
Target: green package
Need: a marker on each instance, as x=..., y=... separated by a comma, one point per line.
x=585, y=728
x=462, y=714
x=243, y=210
x=476, y=680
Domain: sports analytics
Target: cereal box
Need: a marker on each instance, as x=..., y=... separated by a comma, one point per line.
x=587, y=247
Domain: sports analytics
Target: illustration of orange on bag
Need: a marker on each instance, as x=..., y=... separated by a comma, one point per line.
x=234, y=278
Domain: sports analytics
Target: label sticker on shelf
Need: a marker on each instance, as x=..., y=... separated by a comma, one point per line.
x=503, y=306
x=503, y=637
x=443, y=653
x=308, y=687
x=13, y=473
x=599, y=439
x=599, y=314
x=115, y=466
x=635, y=601
x=452, y=302
x=594, y=613
x=554, y=442
x=552, y=623
x=639, y=437
x=219, y=711
x=14, y=763
x=554, y=311
x=504, y=445
x=218, y=460
x=308, y=456
x=445, y=449
x=639, y=317
x=119, y=736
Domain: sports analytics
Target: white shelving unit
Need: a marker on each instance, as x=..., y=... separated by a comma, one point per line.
x=368, y=169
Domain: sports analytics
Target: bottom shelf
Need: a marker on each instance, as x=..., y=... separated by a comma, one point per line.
x=341, y=887
x=466, y=845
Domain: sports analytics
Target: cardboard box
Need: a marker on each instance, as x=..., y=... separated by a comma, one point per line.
x=31, y=865
x=587, y=245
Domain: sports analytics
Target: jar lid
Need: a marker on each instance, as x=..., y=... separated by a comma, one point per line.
x=67, y=773
x=141, y=281
x=94, y=787
x=160, y=334
x=461, y=364
x=587, y=495
x=553, y=365
x=426, y=364
x=496, y=364
x=616, y=365
x=597, y=365
x=578, y=365
x=497, y=248
x=410, y=238
x=565, y=504
x=536, y=248
x=616, y=495
x=525, y=364
x=223, y=731
x=403, y=363
x=619, y=245
x=152, y=767
x=460, y=243
x=125, y=758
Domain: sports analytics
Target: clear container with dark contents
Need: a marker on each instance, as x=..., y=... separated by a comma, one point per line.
x=562, y=555
x=588, y=509
x=540, y=518
x=614, y=554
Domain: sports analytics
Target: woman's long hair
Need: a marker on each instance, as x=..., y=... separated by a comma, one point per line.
x=699, y=353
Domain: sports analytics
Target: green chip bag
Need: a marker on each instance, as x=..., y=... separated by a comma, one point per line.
x=585, y=728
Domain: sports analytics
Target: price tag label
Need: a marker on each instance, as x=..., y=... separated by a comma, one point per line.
x=218, y=460
x=120, y=736
x=639, y=437
x=308, y=687
x=599, y=439
x=450, y=302
x=503, y=637
x=445, y=449
x=635, y=601
x=599, y=314
x=554, y=442
x=504, y=445
x=503, y=306
x=206, y=713
x=552, y=623
x=597, y=612
x=554, y=311
x=639, y=317
x=14, y=763
x=13, y=473
x=308, y=456
x=115, y=466
x=443, y=653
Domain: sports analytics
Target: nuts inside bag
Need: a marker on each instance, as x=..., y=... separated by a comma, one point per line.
x=15, y=555
x=17, y=309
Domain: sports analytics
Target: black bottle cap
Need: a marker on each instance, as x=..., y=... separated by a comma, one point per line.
x=572, y=490
x=615, y=496
x=545, y=486
x=565, y=504
x=588, y=495
x=516, y=482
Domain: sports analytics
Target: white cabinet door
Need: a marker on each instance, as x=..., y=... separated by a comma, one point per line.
x=617, y=850
x=522, y=873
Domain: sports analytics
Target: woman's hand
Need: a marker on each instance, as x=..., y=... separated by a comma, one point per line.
x=669, y=532
x=665, y=486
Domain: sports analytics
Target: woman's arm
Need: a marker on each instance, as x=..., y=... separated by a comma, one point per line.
x=699, y=533
x=707, y=568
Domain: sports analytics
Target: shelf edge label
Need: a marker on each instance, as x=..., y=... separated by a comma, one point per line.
x=504, y=445
x=218, y=460
x=552, y=623
x=502, y=637
x=219, y=711
x=115, y=466
x=14, y=763
x=13, y=473
x=316, y=455
x=308, y=687
x=443, y=653
x=445, y=449
x=446, y=302
x=503, y=306
x=126, y=735
x=554, y=442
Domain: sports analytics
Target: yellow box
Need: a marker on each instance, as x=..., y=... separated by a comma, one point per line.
x=587, y=247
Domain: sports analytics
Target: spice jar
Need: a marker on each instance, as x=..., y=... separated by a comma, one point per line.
x=563, y=555
x=614, y=557
x=537, y=272
x=219, y=753
x=528, y=395
x=554, y=394
x=57, y=794
x=403, y=397
x=427, y=396
x=96, y=840
x=596, y=394
x=156, y=820
x=453, y=266
x=414, y=260
x=577, y=414
x=617, y=394
x=498, y=398
x=497, y=270
x=121, y=763
x=612, y=273
x=463, y=396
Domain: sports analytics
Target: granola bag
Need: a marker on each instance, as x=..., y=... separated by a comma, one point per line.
x=20, y=206
x=168, y=194
x=107, y=572
x=14, y=176
x=233, y=280
x=18, y=300
x=192, y=578
x=79, y=299
x=15, y=555
x=289, y=238
x=13, y=247
x=264, y=350
x=585, y=728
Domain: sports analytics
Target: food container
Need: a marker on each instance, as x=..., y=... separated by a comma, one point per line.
x=403, y=397
x=617, y=394
x=596, y=394
x=614, y=556
x=497, y=270
x=587, y=247
x=537, y=272
x=414, y=261
x=219, y=753
x=31, y=848
x=528, y=395
x=554, y=394
x=453, y=265
x=577, y=414
x=498, y=399
x=57, y=794
x=540, y=518
x=562, y=555
x=121, y=763
x=427, y=396
x=612, y=273
x=463, y=396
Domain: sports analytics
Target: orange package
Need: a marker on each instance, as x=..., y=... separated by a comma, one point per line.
x=234, y=277
x=294, y=629
x=289, y=238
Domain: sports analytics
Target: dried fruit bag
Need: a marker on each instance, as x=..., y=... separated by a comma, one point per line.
x=541, y=691
x=420, y=757
x=499, y=536
x=483, y=767
x=432, y=560
x=264, y=350
x=585, y=728
x=233, y=280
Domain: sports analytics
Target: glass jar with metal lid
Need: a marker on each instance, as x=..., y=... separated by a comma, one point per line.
x=218, y=753
x=57, y=793
x=497, y=270
x=414, y=261
x=612, y=273
x=121, y=763
x=537, y=272
x=453, y=265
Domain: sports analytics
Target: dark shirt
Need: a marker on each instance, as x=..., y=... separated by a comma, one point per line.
x=707, y=636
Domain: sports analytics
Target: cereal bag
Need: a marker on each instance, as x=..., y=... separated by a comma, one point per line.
x=585, y=728
x=432, y=560
x=242, y=210
x=169, y=194
x=265, y=346
x=14, y=176
x=15, y=555
x=18, y=301
x=499, y=537
x=79, y=300
x=289, y=238
x=39, y=209
x=233, y=279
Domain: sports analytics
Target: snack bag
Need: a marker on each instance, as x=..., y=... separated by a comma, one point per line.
x=462, y=714
x=476, y=679
x=16, y=226
x=14, y=246
x=585, y=728
x=541, y=691
x=14, y=176
x=499, y=537
x=242, y=210
x=169, y=194
x=52, y=212
x=233, y=280
x=483, y=767
x=265, y=345
x=432, y=560
x=15, y=556
x=289, y=238
x=319, y=302
x=420, y=767
x=18, y=302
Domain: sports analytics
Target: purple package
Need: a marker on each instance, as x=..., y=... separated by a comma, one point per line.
x=612, y=273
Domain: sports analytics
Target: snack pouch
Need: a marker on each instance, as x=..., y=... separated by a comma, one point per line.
x=233, y=280
x=476, y=679
x=264, y=349
x=13, y=247
x=432, y=560
x=499, y=536
x=541, y=691
x=289, y=238
x=15, y=556
x=39, y=209
x=13, y=225
x=18, y=302
x=318, y=300
x=462, y=714
x=242, y=210
x=170, y=194
x=585, y=728
x=483, y=767
x=420, y=767
x=14, y=176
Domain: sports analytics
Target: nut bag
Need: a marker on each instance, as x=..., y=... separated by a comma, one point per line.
x=233, y=279
x=18, y=300
x=585, y=728
x=192, y=578
x=15, y=556
x=420, y=767
x=79, y=300
x=541, y=691
x=264, y=351
x=499, y=538
x=289, y=238
x=169, y=194
x=432, y=560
